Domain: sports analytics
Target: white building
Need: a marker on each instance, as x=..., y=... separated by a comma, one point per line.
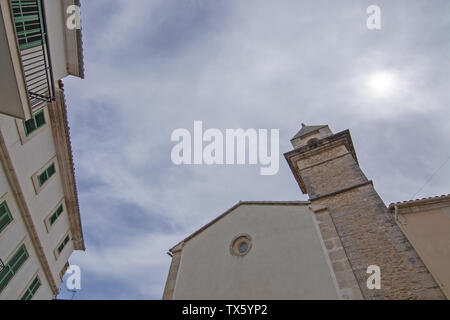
x=40, y=222
x=255, y=250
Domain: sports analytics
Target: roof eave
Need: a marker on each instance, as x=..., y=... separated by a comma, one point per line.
x=180, y=244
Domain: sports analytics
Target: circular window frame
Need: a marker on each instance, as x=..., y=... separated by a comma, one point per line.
x=237, y=242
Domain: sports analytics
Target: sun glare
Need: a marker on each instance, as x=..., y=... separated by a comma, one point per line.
x=382, y=83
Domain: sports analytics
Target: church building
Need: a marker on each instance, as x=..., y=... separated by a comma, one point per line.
x=330, y=247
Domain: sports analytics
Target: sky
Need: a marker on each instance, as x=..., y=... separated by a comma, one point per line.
x=156, y=66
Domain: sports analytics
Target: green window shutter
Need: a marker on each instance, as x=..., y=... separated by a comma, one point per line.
x=63, y=244
x=32, y=289
x=28, y=23
x=18, y=259
x=30, y=126
x=37, y=121
x=56, y=215
x=27, y=296
x=42, y=178
x=47, y=174
x=51, y=170
x=13, y=266
x=5, y=277
x=53, y=218
x=60, y=210
x=5, y=216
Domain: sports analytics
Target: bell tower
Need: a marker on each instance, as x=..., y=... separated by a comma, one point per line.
x=357, y=228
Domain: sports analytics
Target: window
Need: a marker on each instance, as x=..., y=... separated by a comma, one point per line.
x=28, y=23
x=47, y=174
x=63, y=244
x=5, y=216
x=13, y=266
x=241, y=245
x=43, y=177
x=34, y=123
x=56, y=215
x=32, y=289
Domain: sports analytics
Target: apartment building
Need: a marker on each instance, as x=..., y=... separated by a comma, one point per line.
x=40, y=222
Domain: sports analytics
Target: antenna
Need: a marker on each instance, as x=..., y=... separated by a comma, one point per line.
x=431, y=178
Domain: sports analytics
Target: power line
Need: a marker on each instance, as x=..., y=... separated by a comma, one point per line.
x=431, y=178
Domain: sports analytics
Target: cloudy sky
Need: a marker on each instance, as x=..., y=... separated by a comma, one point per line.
x=156, y=66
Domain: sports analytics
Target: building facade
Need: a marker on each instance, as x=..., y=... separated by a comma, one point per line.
x=40, y=223
x=426, y=224
x=356, y=229
x=238, y=256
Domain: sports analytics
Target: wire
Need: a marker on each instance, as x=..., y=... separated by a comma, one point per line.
x=431, y=178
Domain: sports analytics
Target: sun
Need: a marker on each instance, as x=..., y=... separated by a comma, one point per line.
x=382, y=83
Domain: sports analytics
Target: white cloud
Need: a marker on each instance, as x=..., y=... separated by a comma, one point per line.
x=153, y=67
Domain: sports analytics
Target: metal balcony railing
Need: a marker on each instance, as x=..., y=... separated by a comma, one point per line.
x=31, y=33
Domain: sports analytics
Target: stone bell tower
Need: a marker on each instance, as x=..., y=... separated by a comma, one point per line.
x=357, y=228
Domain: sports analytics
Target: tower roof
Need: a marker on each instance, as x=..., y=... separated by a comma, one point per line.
x=307, y=130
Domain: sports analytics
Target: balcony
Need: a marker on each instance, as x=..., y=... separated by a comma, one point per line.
x=24, y=28
x=29, y=23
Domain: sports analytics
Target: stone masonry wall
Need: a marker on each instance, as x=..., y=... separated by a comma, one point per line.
x=331, y=176
x=370, y=236
x=346, y=281
x=366, y=230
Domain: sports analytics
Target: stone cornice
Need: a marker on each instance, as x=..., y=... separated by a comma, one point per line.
x=292, y=157
x=61, y=136
x=343, y=190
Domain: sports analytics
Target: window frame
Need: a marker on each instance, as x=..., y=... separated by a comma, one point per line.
x=63, y=243
x=48, y=175
x=23, y=19
x=28, y=294
x=54, y=217
x=8, y=272
x=36, y=126
x=47, y=222
x=24, y=137
x=7, y=213
x=236, y=243
x=38, y=185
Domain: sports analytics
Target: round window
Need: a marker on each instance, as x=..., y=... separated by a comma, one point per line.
x=241, y=245
x=243, y=248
